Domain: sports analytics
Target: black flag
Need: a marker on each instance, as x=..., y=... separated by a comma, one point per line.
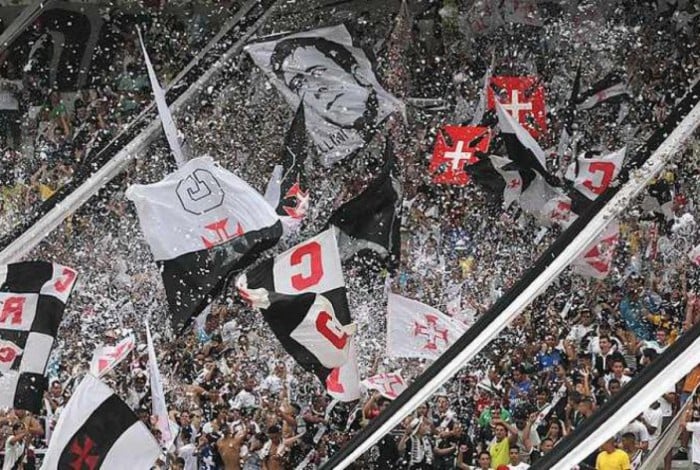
x=294, y=190
x=370, y=223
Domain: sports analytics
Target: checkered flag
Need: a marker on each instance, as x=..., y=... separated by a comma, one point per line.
x=33, y=296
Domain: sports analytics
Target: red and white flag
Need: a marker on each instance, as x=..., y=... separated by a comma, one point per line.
x=105, y=358
x=9, y=352
x=343, y=383
x=418, y=330
x=596, y=261
x=592, y=176
x=449, y=159
x=523, y=98
x=389, y=384
x=694, y=255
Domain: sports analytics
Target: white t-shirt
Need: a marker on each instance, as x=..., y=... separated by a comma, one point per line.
x=14, y=452
x=666, y=407
x=638, y=429
x=655, y=418
x=520, y=466
x=694, y=427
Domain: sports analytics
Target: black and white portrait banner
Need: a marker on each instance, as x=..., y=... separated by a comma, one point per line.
x=343, y=101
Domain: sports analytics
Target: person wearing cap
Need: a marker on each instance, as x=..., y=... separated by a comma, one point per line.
x=612, y=458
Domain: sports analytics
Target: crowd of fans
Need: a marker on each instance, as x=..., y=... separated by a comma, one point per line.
x=49, y=130
x=238, y=401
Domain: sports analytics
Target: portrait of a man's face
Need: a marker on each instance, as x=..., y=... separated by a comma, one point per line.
x=334, y=81
x=327, y=78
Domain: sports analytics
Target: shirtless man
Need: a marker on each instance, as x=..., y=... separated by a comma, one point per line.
x=229, y=447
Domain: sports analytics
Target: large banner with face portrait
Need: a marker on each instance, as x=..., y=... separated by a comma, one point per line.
x=343, y=102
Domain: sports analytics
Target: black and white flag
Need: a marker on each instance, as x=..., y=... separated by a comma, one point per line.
x=370, y=223
x=97, y=429
x=335, y=81
x=302, y=296
x=288, y=190
x=203, y=224
x=33, y=296
x=610, y=87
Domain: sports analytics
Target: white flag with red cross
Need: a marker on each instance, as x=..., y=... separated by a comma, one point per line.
x=388, y=384
x=105, y=358
x=418, y=330
x=597, y=260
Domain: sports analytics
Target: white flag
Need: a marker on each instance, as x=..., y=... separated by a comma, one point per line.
x=418, y=330
x=594, y=175
x=166, y=117
x=97, y=429
x=596, y=260
x=203, y=223
x=160, y=409
x=105, y=358
x=389, y=384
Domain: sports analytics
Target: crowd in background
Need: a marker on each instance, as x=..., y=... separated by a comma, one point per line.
x=237, y=399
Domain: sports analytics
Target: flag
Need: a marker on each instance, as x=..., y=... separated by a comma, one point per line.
x=97, y=429
x=371, y=222
x=334, y=80
x=611, y=86
x=166, y=117
x=449, y=160
x=105, y=358
x=418, y=330
x=481, y=105
x=596, y=260
x=33, y=296
x=523, y=99
x=568, y=114
x=203, y=224
x=302, y=296
x=694, y=255
x=591, y=175
x=160, y=410
x=522, y=148
x=343, y=383
x=539, y=189
x=389, y=384
x=291, y=199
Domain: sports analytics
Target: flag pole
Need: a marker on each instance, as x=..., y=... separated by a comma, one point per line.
x=648, y=161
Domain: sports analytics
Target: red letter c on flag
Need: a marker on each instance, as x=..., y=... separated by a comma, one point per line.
x=330, y=332
x=607, y=169
x=301, y=281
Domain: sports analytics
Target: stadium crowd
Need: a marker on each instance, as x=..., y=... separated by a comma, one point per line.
x=236, y=399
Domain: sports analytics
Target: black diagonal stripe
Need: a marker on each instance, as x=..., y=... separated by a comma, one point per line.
x=29, y=392
x=193, y=280
x=27, y=277
x=49, y=312
x=262, y=275
x=285, y=313
x=102, y=428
